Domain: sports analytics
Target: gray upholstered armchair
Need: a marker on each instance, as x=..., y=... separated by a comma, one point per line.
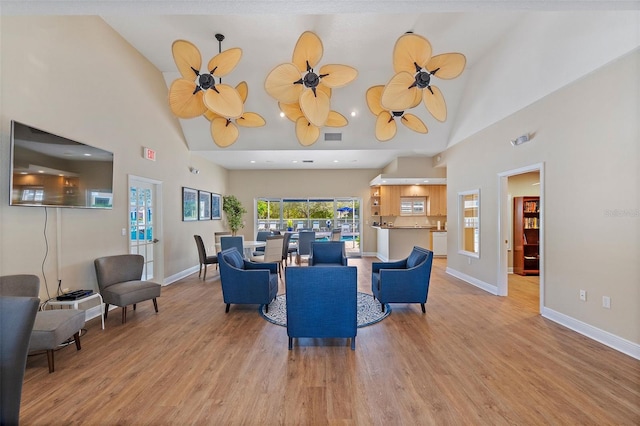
x=120, y=282
x=403, y=281
x=327, y=253
x=322, y=302
x=246, y=282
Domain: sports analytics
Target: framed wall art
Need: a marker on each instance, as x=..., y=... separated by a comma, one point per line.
x=216, y=206
x=189, y=204
x=204, y=205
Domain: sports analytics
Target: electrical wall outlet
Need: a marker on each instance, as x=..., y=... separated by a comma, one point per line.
x=583, y=295
x=606, y=302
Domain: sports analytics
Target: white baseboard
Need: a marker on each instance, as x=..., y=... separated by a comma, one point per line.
x=182, y=274
x=618, y=343
x=490, y=288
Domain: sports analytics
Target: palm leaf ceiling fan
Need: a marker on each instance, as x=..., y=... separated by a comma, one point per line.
x=296, y=82
x=197, y=93
x=386, y=127
x=415, y=67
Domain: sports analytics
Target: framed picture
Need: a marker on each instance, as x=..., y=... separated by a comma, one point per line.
x=189, y=204
x=204, y=205
x=216, y=206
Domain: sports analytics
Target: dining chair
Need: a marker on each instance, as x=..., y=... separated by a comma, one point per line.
x=336, y=234
x=261, y=236
x=272, y=252
x=288, y=248
x=203, y=258
x=228, y=241
x=305, y=238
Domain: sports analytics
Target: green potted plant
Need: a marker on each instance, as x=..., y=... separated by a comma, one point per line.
x=234, y=210
x=289, y=225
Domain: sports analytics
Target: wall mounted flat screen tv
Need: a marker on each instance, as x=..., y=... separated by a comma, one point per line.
x=52, y=171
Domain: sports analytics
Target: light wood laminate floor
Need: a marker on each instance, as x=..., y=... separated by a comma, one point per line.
x=472, y=359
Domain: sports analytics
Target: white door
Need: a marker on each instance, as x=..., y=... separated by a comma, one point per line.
x=144, y=232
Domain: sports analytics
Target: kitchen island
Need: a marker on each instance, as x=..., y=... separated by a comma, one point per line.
x=395, y=243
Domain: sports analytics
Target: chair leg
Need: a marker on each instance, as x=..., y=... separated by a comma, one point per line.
x=353, y=343
x=76, y=338
x=124, y=314
x=422, y=306
x=50, y=360
x=134, y=306
x=266, y=308
x=205, y=273
x=290, y=343
x=226, y=311
x=200, y=271
x=106, y=310
x=382, y=305
x=155, y=304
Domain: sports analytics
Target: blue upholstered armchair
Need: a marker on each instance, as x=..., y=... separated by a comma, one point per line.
x=246, y=282
x=322, y=302
x=328, y=253
x=403, y=281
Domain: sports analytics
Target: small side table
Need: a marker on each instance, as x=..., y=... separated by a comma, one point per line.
x=74, y=305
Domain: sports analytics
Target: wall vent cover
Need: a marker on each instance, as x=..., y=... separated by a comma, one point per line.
x=333, y=136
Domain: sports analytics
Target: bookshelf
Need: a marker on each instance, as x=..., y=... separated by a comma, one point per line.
x=526, y=235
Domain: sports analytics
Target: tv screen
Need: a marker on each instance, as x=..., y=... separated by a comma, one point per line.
x=52, y=171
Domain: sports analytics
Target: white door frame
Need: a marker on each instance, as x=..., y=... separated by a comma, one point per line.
x=504, y=233
x=158, y=251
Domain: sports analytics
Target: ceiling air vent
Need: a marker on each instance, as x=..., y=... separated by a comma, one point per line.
x=307, y=161
x=333, y=136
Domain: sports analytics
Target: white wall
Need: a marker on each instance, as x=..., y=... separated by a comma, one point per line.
x=74, y=76
x=586, y=134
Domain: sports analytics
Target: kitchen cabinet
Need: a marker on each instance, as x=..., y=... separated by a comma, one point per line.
x=437, y=204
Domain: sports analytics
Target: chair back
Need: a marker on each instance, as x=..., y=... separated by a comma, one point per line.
x=118, y=269
x=202, y=252
x=273, y=249
x=305, y=238
x=328, y=252
x=262, y=235
x=285, y=244
x=218, y=235
x=336, y=234
x=322, y=302
x=227, y=242
x=17, y=317
x=22, y=285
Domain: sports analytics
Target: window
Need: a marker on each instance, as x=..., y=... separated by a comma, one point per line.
x=469, y=223
x=413, y=206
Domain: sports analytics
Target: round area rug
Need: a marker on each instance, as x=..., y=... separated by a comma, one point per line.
x=369, y=311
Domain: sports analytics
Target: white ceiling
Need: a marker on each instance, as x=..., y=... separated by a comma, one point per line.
x=517, y=52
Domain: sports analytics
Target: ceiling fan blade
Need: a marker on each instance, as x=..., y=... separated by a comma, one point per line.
x=223, y=132
x=186, y=55
x=210, y=115
x=224, y=100
x=417, y=98
x=183, y=102
x=291, y=111
x=243, y=90
x=448, y=65
x=396, y=95
x=223, y=63
x=410, y=49
x=336, y=75
x=250, y=119
x=306, y=132
x=336, y=119
x=374, y=94
x=279, y=83
x=308, y=49
x=385, y=126
x=414, y=123
x=315, y=107
x=324, y=89
x=435, y=103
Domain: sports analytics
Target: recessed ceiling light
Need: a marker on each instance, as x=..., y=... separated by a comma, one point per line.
x=336, y=161
x=353, y=113
x=86, y=154
x=294, y=161
x=281, y=114
x=253, y=161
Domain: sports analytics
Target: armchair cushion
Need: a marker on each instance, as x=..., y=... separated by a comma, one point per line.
x=327, y=253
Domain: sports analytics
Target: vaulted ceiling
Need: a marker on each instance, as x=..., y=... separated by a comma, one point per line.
x=517, y=52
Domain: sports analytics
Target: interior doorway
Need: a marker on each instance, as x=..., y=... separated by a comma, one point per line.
x=525, y=185
x=145, y=220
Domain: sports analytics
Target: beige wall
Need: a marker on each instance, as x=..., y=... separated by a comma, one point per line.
x=248, y=185
x=74, y=76
x=586, y=134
